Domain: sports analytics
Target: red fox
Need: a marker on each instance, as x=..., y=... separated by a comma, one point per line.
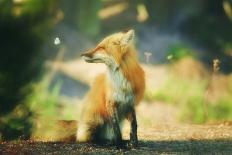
x=114, y=94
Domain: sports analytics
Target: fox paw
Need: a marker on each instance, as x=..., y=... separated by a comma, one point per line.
x=133, y=143
x=133, y=140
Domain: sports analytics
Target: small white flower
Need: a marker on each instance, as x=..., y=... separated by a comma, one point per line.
x=57, y=41
x=216, y=64
x=147, y=56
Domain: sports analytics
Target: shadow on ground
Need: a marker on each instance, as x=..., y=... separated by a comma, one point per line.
x=218, y=146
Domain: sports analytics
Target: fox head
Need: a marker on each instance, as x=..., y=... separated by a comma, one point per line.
x=111, y=49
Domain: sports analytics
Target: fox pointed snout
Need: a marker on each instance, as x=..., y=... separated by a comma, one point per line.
x=87, y=54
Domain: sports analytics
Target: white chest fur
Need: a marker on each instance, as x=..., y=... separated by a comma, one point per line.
x=122, y=90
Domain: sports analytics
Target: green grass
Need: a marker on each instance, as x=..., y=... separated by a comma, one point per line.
x=190, y=96
x=179, y=51
x=43, y=104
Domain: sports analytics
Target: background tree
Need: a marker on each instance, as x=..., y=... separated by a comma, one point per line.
x=23, y=27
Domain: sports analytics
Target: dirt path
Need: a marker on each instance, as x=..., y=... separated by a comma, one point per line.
x=145, y=147
x=160, y=139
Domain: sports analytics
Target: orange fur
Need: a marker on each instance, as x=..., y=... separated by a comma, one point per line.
x=122, y=86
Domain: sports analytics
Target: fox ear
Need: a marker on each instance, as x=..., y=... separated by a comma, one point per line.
x=127, y=37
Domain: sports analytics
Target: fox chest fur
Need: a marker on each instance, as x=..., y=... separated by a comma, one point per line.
x=121, y=92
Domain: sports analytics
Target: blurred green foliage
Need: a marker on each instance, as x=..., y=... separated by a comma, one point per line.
x=179, y=51
x=43, y=101
x=211, y=28
x=87, y=19
x=83, y=14
x=43, y=104
x=205, y=22
x=194, y=98
x=23, y=28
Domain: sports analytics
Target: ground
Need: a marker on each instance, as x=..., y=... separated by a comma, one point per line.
x=160, y=147
x=160, y=139
x=168, y=137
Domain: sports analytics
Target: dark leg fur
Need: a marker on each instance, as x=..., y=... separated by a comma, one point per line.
x=115, y=124
x=116, y=128
x=133, y=131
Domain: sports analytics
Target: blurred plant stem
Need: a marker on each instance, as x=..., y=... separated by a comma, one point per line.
x=215, y=69
x=43, y=102
x=59, y=57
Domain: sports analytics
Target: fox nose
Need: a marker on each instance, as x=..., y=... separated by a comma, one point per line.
x=87, y=54
x=82, y=54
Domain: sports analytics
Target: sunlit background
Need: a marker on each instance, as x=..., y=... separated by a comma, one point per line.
x=185, y=48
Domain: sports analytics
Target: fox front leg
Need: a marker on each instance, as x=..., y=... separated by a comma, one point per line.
x=115, y=123
x=133, y=130
x=116, y=129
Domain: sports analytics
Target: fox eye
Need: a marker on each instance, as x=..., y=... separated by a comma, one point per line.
x=100, y=48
